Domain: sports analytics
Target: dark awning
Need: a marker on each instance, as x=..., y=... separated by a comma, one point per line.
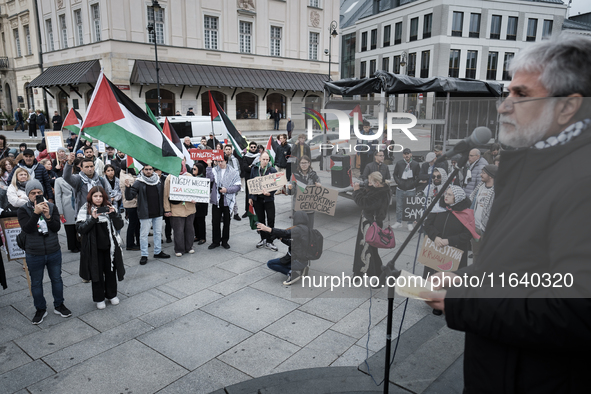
x=68, y=74
x=402, y=84
x=179, y=74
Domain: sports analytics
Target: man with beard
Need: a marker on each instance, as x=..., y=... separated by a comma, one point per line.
x=98, y=164
x=84, y=181
x=377, y=165
x=533, y=338
x=35, y=170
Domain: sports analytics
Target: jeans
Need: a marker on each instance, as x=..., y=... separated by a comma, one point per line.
x=21, y=123
x=42, y=129
x=277, y=265
x=400, y=199
x=36, y=265
x=276, y=124
x=145, y=231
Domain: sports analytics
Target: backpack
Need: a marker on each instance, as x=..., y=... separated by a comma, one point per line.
x=316, y=241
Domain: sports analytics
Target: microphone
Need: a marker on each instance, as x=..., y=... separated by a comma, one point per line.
x=480, y=136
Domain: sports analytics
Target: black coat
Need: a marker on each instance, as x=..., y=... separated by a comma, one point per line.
x=539, y=222
x=409, y=183
x=297, y=151
x=282, y=153
x=245, y=166
x=300, y=239
x=57, y=121
x=139, y=189
x=36, y=243
x=374, y=201
x=254, y=172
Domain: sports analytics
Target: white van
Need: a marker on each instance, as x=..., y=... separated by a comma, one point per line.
x=195, y=127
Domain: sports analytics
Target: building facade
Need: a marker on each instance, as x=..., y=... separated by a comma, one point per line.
x=254, y=55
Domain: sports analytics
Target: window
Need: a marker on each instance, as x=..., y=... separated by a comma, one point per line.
x=495, y=27
x=414, y=29
x=364, y=41
x=372, y=68
x=491, y=66
x=275, y=41
x=512, y=28
x=396, y=65
x=412, y=64
x=96, y=21
x=248, y=105
x=387, y=34
x=532, y=28
x=245, y=37
x=425, y=58
x=276, y=101
x=49, y=29
x=374, y=39
x=386, y=64
x=474, y=31
x=427, y=24
x=219, y=97
x=210, y=24
x=546, y=29
x=454, y=63
x=167, y=103
x=315, y=3
x=28, y=39
x=398, y=33
x=63, y=31
x=79, y=30
x=313, y=49
x=508, y=57
x=17, y=43
x=362, y=70
x=471, y=61
x=457, y=23
x=157, y=20
x=348, y=55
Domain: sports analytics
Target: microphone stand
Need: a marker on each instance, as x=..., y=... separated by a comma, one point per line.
x=390, y=270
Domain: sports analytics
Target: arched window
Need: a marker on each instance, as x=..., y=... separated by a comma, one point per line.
x=218, y=96
x=276, y=101
x=166, y=102
x=247, y=106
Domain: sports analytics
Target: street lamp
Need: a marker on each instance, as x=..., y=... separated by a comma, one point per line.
x=332, y=30
x=152, y=30
x=403, y=61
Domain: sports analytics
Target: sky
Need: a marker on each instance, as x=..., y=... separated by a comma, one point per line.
x=582, y=6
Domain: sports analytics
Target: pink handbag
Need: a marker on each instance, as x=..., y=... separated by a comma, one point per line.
x=379, y=237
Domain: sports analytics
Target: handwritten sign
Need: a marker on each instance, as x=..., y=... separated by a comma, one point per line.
x=10, y=230
x=188, y=188
x=53, y=140
x=268, y=183
x=413, y=207
x=207, y=154
x=318, y=199
x=440, y=259
x=101, y=147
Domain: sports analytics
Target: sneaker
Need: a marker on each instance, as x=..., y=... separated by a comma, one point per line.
x=114, y=300
x=144, y=260
x=270, y=246
x=178, y=254
x=237, y=217
x=62, y=311
x=161, y=255
x=101, y=305
x=191, y=251
x=293, y=277
x=39, y=315
x=245, y=215
x=225, y=245
x=397, y=225
x=410, y=227
x=261, y=243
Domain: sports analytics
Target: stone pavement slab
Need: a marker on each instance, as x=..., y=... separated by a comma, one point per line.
x=11, y=357
x=298, y=327
x=24, y=376
x=14, y=325
x=193, y=283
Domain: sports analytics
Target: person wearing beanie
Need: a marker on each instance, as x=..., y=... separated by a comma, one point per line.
x=426, y=170
x=482, y=200
x=40, y=224
x=36, y=171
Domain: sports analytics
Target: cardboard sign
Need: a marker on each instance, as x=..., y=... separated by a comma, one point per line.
x=53, y=140
x=189, y=188
x=446, y=259
x=101, y=147
x=409, y=286
x=10, y=230
x=318, y=199
x=413, y=208
x=207, y=154
x=268, y=183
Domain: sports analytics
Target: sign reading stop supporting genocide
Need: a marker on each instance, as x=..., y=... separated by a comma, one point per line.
x=267, y=183
x=206, y=154
x=413, y=207
x=444, y=259
x=318, y=199
x=10, y=230
x=188, y=188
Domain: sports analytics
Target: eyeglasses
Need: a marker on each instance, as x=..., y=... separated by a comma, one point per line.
x=436, y=176
x=510, y=102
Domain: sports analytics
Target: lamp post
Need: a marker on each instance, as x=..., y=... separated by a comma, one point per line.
x=332, y=30
x=152, y=30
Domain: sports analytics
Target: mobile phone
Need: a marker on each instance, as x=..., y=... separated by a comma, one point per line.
x=39, y=199
x=102, y=210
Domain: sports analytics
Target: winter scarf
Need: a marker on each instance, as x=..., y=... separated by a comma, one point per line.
x=231, y=178
x=151, y=181
x=90, y=183
x=114, y=238
x=30, y=170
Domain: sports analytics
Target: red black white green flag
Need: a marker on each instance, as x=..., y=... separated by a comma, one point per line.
x=217, y=114
x=73, y=123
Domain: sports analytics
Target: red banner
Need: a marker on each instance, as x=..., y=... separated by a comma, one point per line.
x=207, y=154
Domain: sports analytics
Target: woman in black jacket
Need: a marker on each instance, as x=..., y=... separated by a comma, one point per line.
x=101, y=260
x=374, y=201
x=282, y=154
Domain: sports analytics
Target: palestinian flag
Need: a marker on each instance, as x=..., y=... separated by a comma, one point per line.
x=134, y=164
x=115, y=119
x=357, y=110
x=217, y=114
x=271, y=148
x=336, y=165
x=169, y=132
x=73, y=123
x=300, y=185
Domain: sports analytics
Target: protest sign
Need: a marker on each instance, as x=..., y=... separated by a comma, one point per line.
x=410, y=286
x=206, y=154
x=53, y=140
x=188, y=188
x=413, y=207
x=101, y=147
x=443, y=259
x=318, y=199
x=267, y=183
x=10, y=230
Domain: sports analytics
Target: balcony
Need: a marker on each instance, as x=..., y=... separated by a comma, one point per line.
x=4, y=62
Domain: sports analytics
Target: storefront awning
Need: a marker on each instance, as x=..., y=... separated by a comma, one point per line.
x=182, y=74
x=68, y=74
